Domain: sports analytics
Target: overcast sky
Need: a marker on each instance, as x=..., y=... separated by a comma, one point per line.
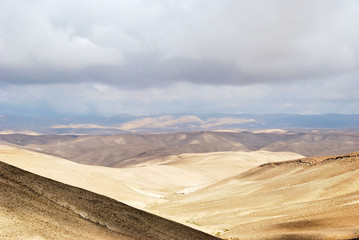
x=186, y=56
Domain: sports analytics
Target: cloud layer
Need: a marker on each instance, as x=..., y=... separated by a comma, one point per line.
x=141, y=51
x=145, y=43
x=326, y=96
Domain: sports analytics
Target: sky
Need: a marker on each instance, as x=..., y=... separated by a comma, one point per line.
x=109, y=57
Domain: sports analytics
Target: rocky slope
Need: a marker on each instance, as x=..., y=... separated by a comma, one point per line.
x=34, y=207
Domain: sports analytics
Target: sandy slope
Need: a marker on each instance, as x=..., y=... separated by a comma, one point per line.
x=97, y=179
x=143, y=184
x=304, y=199
x=37, y=208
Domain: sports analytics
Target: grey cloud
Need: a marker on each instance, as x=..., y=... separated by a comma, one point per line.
x=139, y=44
x=143, y=71
x=138, y=72
x=149, y=71
x=324, y=96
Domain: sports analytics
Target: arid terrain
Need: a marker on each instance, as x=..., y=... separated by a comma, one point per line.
x=144, y=184
x=129, y=149
x=311, y=198
x=244, y=193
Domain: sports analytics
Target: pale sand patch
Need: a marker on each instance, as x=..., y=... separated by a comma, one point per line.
x=270, y=131
x=351, y=203
x=32, y=133
x=146, y=193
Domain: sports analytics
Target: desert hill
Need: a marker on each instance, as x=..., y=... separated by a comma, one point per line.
x=130, y=149
x=143, y=184
x=311, y=198
x=34, y=207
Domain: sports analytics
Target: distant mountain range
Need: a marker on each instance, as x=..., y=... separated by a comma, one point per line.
x=98, y=125
x=128, y=149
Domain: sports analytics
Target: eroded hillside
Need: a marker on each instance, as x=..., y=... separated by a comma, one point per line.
x=34, y=207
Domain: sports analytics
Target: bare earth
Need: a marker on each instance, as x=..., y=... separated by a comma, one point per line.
x=36, y=208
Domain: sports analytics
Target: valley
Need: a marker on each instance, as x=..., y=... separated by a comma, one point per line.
x=229, y=185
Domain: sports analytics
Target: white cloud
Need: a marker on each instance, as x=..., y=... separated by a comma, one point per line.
x=29, y=39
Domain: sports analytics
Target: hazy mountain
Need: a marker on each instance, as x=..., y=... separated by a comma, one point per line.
x=129, y=149
x=173, y=123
